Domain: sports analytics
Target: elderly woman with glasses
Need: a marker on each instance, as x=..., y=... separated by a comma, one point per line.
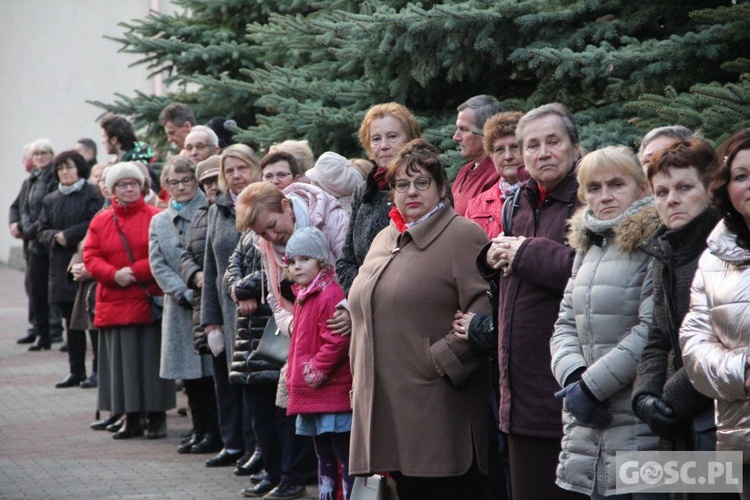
x=419, y=390
x=116, y=255
x=39, y=184
x=169, y=234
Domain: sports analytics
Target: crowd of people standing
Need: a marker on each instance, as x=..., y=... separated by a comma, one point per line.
x=500, y=336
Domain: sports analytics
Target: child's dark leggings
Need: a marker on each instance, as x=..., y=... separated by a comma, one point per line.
x=329, y=447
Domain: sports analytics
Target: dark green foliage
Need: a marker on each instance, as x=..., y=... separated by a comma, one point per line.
x=290, y=69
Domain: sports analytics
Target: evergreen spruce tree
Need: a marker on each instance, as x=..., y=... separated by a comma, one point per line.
x=310, y=68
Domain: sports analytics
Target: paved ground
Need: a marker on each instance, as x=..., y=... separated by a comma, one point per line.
x=47, y=449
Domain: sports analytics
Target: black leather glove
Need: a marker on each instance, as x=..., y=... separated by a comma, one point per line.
x=660, y=417
x=585, y=408
x=185, y=303
x=200, y=342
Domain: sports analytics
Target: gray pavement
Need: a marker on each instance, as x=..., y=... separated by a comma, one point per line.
x=47, y=449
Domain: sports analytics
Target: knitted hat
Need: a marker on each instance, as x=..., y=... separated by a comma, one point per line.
x=308, y=242
x=208, y=168
x=335, y=175
x=124, y=170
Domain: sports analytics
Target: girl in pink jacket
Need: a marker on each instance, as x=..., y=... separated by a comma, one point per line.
x=318, y=376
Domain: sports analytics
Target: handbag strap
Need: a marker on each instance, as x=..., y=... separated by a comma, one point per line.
x=130, y=252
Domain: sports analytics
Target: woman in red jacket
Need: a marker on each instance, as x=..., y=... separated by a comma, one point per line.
x=116, y=255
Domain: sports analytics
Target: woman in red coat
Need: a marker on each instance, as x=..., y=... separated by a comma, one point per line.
x=130, y=337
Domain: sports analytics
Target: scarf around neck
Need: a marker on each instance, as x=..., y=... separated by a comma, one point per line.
x=76, y=186
x=599, y=226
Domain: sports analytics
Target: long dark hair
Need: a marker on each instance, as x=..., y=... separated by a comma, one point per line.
x=734, y=221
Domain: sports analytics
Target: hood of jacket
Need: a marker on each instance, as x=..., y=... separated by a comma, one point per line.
x=628, y=234
x=319, y=203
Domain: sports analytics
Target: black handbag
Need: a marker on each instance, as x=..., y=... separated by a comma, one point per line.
x=155, y=304
x=703, y=430
x=273, y=346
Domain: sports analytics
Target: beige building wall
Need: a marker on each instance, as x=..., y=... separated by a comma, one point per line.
x=54, y=58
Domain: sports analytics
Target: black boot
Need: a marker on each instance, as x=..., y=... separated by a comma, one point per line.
x=29, y=338
x=157, y=425
x=133, y=427
x=42, y=343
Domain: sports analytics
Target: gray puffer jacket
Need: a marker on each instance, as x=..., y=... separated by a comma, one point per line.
x=715, y=336
x=602, y=328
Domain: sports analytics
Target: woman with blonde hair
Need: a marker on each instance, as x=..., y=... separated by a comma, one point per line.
x=239, y=168
x=604, y=320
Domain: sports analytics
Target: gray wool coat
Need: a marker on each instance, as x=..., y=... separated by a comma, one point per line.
x=221, y=238
x=603, y=326
x=168, y=235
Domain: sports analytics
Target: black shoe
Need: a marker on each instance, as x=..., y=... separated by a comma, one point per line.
x=188, y=436
x=91, y=382
x=187, y=445
x=252, y=466
x=133, y=427
x=157, y=425
x=286, y=490
x=70, y=381
x=29, y=338
x=100, y=425
x=210, y=443
x=244, y=458
x=117, y=425
x=259, y=490
x=40, y=344
x=64, y=347
x=257, y=478
x=223, y=459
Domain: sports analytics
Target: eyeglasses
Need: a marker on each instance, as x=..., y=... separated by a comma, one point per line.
x=278, y=175
x=65, y=166
x=501, y=150
x=173, y=183
x=127, y=184
x=41, y=153
x=421, y=183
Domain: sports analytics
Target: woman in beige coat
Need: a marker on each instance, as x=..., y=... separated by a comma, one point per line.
x=419, y=393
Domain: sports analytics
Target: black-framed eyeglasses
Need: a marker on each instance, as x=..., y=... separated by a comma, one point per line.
x=176, y=182
x=421, y=183
x=279, y=175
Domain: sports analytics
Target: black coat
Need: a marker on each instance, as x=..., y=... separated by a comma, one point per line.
x=660, y=373
x=245, y=275
x=33, y=191
x=191, y=263
x=71, y=215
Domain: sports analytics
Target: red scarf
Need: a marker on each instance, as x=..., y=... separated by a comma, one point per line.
x=379, y=177
x=398, y=219
x=543, y=193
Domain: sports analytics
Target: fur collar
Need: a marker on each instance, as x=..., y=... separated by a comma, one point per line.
x=627, y=235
